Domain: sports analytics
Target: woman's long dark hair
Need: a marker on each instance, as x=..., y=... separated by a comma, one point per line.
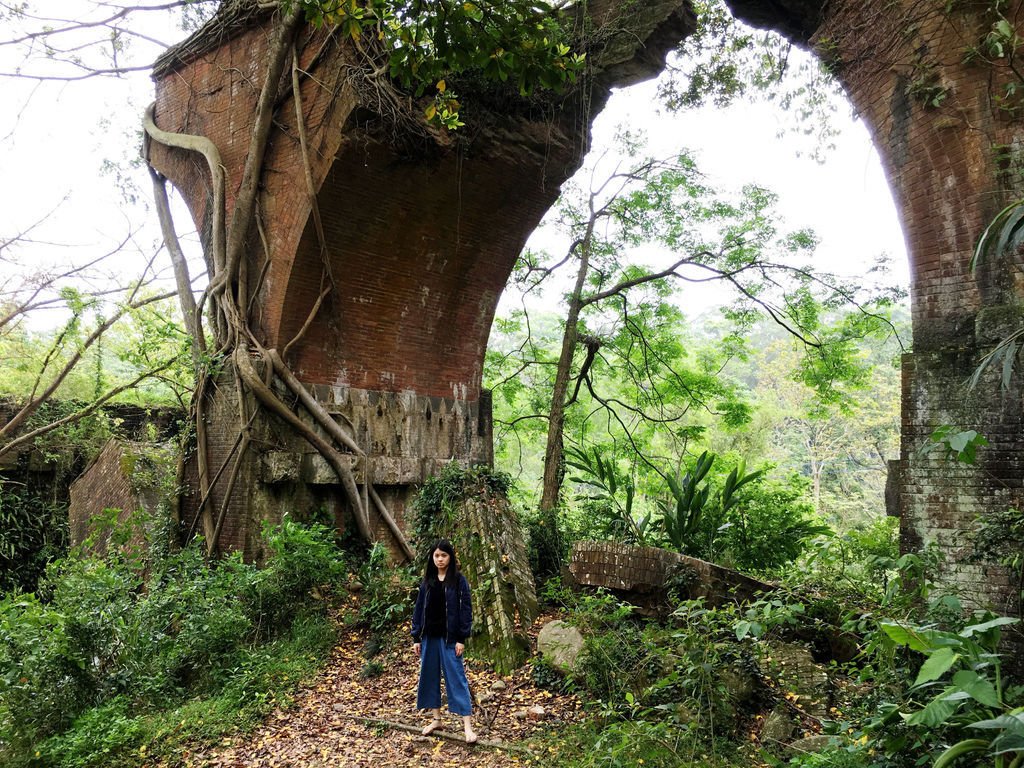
x=430, y=575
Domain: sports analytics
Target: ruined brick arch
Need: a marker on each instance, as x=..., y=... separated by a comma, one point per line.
x=422, y=233
x=942, y=166
x=426, y=257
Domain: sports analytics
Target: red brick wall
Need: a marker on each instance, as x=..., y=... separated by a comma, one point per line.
x=419, y=247
x=420, y=259
x=103, y=485
x=941, y=165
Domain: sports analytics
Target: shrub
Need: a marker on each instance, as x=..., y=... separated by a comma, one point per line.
x=149, y=632
x=301, y=557
x=387, y=596
x=548, y=547
x=45, y=678
x=441, y=494
x=33, y=531
x=766, y=526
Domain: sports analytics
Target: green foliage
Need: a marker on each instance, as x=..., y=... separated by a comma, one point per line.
x=766, y=526
x=1003, y=357
x=547, y=544
x=33, y=531
x=117, y=733
x=150, y=631
x=371, y=670
x=688, y=519
x=681, y=519
x=958, y=702
x=955, y=444
x=640, y=385
x=545, y=675
x=767, y=614
x=742, y=519
x=853, y=757
x=997, y=537
x=301, y=557
x=627, y=743
x=427, y=44
x=677, y=687
x=862, y=565
x=144, y=339
x=613, y=491
x=928, y=89
x=771, y=527
x=440, y=495
x=725, y=61
x=387, y=596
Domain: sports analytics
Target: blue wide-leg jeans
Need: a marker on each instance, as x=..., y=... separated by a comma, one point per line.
x=437, y=657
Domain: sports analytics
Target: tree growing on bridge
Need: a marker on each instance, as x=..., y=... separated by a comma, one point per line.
x=403, y=51
x=406, y=49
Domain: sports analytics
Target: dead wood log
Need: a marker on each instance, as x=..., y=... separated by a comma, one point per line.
x=443, y=734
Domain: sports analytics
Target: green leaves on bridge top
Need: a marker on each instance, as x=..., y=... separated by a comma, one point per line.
x=420, y=44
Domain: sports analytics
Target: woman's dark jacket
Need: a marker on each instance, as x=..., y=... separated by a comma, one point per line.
x=458, y=610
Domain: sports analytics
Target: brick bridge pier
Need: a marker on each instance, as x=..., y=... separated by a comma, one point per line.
x=422, y=230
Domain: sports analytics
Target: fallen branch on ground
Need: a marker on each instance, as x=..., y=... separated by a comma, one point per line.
x=443, y=734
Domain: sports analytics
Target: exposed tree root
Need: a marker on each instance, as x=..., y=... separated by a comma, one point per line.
x=231, y=306
x=441, y=734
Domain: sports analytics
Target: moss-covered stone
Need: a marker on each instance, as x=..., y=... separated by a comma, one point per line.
x=471, y=509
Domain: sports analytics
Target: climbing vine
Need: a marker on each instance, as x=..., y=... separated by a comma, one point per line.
x=441, y=495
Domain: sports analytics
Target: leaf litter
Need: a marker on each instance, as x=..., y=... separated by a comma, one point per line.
x=326, y=721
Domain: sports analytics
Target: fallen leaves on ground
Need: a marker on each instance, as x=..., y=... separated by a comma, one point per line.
x=322, y=727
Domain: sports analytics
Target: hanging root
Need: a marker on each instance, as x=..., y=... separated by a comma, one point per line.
x=231, y=306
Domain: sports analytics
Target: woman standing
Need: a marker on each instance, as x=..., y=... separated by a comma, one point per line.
x=441, y=622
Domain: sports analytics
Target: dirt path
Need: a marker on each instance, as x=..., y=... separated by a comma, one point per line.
x=323, y=728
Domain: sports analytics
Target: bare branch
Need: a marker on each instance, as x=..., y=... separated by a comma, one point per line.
x=35, y=402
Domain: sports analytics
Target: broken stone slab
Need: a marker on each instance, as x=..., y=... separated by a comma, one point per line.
x=778, y=727
x=644, y=574
x=794, y=668
x=561, y=644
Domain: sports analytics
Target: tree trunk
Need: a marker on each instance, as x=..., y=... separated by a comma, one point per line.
x=554, y=452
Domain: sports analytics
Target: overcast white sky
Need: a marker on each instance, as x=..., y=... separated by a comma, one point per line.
x=52, y=154
x=845, y=199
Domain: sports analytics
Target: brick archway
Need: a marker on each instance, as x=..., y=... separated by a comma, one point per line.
x=422, y=232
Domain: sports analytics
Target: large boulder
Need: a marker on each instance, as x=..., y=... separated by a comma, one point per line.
x=560, y=643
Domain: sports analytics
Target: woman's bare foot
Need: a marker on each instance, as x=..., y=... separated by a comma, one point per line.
x=467, y=727
x=432, y=726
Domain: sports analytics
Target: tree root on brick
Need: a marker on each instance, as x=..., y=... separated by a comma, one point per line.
x=230, y=307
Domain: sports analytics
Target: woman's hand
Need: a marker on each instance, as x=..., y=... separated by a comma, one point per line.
x=416, y=647
x=459, y=648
